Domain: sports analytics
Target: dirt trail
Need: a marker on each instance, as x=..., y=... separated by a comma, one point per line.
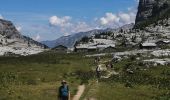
x=80, y=91
x=81, y=88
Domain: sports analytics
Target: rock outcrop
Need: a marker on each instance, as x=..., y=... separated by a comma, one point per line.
x=12, y=41
x=150, y=11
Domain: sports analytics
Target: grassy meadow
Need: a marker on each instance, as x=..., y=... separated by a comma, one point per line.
x=37, y=77
x=143, y=84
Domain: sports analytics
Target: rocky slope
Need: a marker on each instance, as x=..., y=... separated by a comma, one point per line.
x=153, y=20
x=12, y=42
x=149, y=11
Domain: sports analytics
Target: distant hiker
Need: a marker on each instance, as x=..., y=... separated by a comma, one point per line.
x=64, y=93
x=111, y=65
x=97, y=60
x=107, y=66
x=98, y=71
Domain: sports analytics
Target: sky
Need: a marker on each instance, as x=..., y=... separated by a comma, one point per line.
x=51, y=19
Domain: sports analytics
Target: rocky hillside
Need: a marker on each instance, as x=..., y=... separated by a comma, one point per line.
x=150, y=11
x=153, y=20
x=12, y=42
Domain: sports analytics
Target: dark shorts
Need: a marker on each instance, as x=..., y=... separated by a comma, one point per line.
x=98, y=74
x=64, y=98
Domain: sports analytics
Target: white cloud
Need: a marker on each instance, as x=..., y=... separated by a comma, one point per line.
x=67, y=26
x=75, y=28
x=19, y=28
x=81, y=27
x=61, y=22
x=109, y=18
x=118, y=19
x=66, y=34
x=37, y=37
x=126, y=18
x=1, y=17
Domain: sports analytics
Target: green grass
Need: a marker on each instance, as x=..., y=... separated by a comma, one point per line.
x=37, y=77
x=116, y=91
x=150, y=84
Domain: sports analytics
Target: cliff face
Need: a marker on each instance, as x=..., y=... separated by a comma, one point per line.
x=150, y=11
x=10, y=35
x=145, y=9
x=13, y=42
x=8, y=30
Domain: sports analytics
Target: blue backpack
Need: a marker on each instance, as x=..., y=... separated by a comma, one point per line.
x=64, y=91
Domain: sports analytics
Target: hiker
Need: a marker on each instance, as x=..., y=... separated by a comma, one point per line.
x=98, y=59
x=64, y=93
x=98, y=71
x=107, y=66
x=95, y=61
x=111, y=65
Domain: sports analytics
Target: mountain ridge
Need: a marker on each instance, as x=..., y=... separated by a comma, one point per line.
x=70, y=40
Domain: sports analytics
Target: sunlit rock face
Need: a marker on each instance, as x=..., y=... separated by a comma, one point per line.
x=13, y=42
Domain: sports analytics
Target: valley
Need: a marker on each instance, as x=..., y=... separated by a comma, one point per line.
x=131, y=62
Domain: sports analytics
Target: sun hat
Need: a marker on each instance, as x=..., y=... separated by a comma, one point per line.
x=63, y=81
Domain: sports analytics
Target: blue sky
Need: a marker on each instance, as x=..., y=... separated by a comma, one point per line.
x=50, y=19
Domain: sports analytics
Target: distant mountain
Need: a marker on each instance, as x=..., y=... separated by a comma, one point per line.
x=70, y=40
x=11, y=41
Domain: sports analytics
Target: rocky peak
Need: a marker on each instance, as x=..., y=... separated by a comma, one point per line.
x=11, y=41
x=8, y=30
x=145, y=9
x=150, y=11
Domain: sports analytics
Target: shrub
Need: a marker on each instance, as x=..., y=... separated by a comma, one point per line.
x=31, y=82
x=85, y=76
x=8, y=78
